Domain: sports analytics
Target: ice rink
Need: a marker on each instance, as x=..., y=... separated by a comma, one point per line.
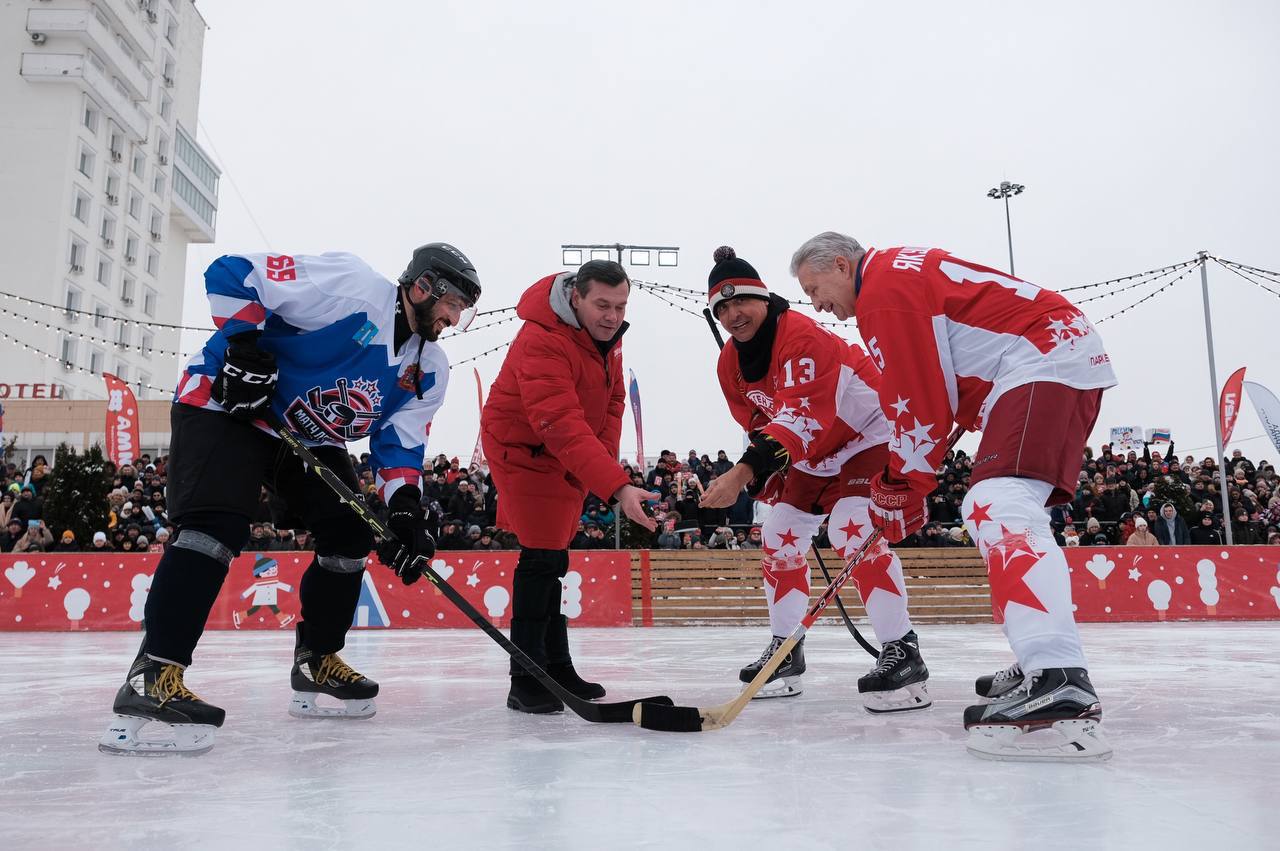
x=1192, y=710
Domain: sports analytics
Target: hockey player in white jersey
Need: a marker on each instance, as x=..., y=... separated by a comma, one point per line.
x=338, y=353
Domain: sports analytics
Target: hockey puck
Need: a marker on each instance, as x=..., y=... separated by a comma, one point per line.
x=670, y=719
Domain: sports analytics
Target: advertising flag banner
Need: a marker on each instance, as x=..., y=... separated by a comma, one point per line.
x=1268, y=408
x=1229, y=404
x=122, y=422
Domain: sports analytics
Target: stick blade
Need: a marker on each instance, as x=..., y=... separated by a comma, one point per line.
x=669, y=719
x=621, y=713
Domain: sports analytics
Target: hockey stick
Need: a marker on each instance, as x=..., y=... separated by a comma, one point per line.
x=866, y=645
x=692, y=719
x=857, y=636
x=609, y=713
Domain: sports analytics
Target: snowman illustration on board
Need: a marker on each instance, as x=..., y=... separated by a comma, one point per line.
x=265, y=588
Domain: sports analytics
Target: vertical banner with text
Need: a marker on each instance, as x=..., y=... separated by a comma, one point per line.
x=1229, y=404
x=477, y=455
x=635, y=412
x=122, y=422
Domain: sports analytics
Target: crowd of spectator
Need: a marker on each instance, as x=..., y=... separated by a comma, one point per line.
x=1146, y=499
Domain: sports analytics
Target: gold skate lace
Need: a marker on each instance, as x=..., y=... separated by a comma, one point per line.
x=332, y=665
x=169, y=685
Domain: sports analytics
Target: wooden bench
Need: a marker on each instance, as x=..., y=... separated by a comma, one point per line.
x=718, y=587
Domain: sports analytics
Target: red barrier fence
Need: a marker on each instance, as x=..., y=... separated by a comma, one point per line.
x=87, y=591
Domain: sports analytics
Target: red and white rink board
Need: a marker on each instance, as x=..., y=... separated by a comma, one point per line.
x=86, y=591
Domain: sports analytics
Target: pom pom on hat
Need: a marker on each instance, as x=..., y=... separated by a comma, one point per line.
x=732, y=277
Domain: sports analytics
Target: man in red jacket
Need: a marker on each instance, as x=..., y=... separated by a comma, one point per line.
x=964, y=343
x=551, y=429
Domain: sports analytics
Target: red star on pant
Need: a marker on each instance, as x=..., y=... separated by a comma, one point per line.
x=784, y=581
x=873, y=572
x=1008, y=561
x=852, y=530
x=787, y=538
x=979, y=514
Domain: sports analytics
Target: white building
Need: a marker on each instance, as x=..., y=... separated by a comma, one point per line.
x=101, y=190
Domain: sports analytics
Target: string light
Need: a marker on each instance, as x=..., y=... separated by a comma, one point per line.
x=64, y=309
x=1175, y=267
x=1143, y=283
x=146, y=351
x=1230, y=267
x=1146, y=297
x=72, y=367
x=482, y=354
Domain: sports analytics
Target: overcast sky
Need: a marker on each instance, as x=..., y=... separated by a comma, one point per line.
x=1143, y=132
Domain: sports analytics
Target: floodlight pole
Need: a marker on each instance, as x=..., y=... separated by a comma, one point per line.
x=1213, y=393
x=1005, y=190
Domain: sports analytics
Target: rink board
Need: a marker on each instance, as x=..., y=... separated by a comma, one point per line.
x=82, y=591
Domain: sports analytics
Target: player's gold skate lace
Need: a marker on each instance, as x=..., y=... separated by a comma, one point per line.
x=169, y=686
x=331, y=665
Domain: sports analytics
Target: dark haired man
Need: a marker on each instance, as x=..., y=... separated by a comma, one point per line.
x=338, y=353
x=551, y=429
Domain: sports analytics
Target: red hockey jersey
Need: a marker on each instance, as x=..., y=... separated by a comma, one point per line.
x=950, y=337
x=818, y=398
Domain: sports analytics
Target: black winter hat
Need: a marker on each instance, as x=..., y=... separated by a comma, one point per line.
x=731, y=277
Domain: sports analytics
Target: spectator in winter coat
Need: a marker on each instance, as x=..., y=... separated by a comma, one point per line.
x=722, y=464
x=1205, y=533
x=1243, y=531
x=28, y=506
x=667, y=538
x=13, y=532
x=68, y=543
x=1141, y=536
x=1093, y=534
x=1171, y=529
x=451, y=537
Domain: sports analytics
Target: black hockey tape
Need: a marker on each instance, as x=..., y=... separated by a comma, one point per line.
x=670, y=719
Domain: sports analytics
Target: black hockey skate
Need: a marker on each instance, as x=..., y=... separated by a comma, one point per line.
x=1061, y=700
x=786, y=680
x=897, y=682
x=316, y=674
x=997, y=685
x=154, y=691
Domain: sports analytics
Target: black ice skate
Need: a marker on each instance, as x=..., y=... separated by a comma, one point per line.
x=897, y=682
x=997, y=685
x=154, y=691
x=1060, y=700
x=786, y=680
x=315, y=674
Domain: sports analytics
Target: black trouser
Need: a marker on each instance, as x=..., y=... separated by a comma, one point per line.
x=217, y=468
x=537, y=627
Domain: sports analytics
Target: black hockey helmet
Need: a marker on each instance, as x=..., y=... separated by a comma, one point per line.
x=439, y=268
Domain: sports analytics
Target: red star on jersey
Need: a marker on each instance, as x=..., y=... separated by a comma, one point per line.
x=767, y=550
x=784, y=581
x=787, y=538
x=979, y=514
x=1008, y=561
x=873, y=572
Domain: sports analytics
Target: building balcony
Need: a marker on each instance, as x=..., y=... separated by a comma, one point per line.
x=91, y=29
x=79, y=68
x=194, y=199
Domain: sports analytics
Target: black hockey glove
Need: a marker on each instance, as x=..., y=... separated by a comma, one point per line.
x=247, y=381
x=408, y=522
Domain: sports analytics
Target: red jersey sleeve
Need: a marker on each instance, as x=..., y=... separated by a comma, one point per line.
x=895, y=316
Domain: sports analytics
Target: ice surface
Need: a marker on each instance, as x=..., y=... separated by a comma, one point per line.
x=1193, y=711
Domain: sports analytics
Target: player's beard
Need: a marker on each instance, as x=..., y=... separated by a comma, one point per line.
x=426, y=322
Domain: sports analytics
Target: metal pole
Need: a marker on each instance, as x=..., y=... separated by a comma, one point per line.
x=617, y=529
x=1009, y=227
x=1213, y=394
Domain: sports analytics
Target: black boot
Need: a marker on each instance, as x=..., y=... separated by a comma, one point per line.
x=536, y=582
x=527, y=694
x=560, y=663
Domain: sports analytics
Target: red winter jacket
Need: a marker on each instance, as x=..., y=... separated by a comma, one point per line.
x=555, y=409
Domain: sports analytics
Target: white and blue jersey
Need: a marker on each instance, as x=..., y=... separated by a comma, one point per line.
x=330, y=320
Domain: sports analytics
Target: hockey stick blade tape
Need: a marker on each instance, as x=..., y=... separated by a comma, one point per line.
x=669, y=719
